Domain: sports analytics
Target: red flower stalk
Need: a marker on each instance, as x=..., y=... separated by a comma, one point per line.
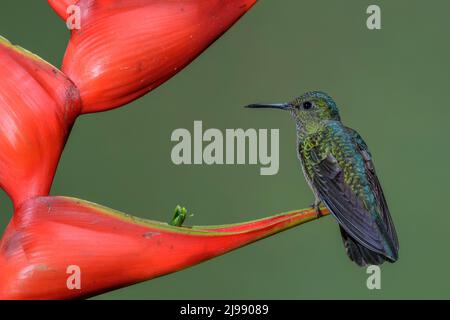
x=126, y=48
x=48, y=235
x=38, y=105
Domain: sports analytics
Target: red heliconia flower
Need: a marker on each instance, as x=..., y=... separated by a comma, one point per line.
x=38, y=105
x=123, y=50
x=50, y=236
x=126, y=48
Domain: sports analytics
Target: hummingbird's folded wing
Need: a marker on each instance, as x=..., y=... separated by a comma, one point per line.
x=344, y=204
x=376, y=188
x=384, y=210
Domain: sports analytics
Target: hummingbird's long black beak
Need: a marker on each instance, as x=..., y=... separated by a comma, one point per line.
x=282, y=106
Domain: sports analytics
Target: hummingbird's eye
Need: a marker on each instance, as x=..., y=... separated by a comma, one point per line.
x=307, y=105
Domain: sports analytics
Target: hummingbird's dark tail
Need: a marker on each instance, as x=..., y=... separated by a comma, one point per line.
x=360, y=254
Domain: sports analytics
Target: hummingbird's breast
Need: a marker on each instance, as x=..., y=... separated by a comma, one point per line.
x=333, y=139
x=304, y=144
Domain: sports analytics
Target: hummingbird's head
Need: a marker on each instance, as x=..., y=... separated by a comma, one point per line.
x=309, y=109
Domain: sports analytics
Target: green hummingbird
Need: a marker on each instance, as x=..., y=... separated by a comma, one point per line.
x=338, y=167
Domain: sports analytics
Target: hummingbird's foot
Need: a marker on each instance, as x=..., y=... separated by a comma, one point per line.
x=179, y=216
x=316, y=206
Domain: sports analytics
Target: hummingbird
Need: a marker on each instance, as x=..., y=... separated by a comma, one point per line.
x=339, y=169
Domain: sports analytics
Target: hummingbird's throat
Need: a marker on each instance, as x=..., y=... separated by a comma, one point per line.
x=308, y=127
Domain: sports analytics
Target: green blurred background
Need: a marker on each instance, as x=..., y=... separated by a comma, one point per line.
x=392, y=86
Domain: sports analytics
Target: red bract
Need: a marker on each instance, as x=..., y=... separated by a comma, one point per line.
x=50, y=234
x=38, y=105
x=126, y=48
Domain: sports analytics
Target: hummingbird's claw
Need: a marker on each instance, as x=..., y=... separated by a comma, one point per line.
x=316, y=206
x=318, y=212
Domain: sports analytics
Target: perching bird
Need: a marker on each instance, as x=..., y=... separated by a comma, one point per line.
x=339, y=169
